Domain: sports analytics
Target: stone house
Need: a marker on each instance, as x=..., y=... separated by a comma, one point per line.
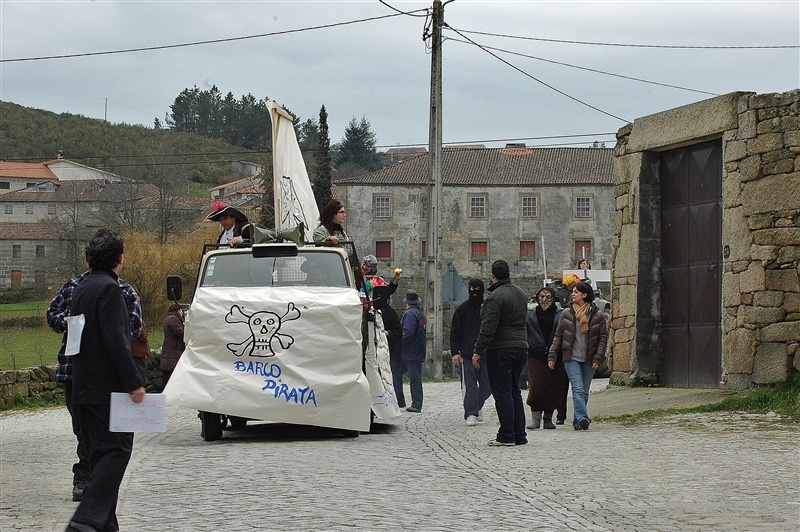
x=496, y=203
x=16, y=176
x=706, y=248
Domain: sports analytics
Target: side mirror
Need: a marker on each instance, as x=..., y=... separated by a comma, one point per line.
x=174, y=288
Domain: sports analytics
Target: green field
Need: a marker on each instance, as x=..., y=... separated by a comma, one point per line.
x=23, y=348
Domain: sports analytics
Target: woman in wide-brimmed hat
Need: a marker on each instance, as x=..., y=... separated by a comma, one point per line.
x=231, y=219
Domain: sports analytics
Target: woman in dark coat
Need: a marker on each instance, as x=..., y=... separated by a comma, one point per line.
x=546, y=386
x=173, y=345
x=581, y=338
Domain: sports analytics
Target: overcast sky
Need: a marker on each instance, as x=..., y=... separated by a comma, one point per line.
x=381, y=69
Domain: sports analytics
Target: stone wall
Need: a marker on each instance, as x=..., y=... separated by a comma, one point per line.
x=760, y=236
x=40, y=382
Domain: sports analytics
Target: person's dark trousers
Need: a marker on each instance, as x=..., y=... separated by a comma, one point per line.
x=505, y=366
x=109, y=453
x=165, y=375
x=476, y=385
x=398, y=369
x=414, y=369
x=561, y=414
x=80, y=470
x=523, y=377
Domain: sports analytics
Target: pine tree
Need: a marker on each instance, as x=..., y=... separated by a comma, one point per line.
x=322, y=176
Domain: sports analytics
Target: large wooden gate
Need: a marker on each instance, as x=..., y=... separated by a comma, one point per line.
x=691, y=265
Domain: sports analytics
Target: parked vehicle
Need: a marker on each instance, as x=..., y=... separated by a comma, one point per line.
x=269, y=339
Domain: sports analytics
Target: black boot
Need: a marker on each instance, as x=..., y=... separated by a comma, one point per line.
x=548, y=421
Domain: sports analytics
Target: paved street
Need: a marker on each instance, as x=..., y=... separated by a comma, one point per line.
x=426, y=472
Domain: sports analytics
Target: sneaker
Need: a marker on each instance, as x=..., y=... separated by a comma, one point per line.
x=583, y=424
x=495, y=443
x=413, y=409
x=479, y=417
x=472, y=421
x=77, y=492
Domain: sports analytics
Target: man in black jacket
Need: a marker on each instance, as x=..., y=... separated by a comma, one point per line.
x=463, y=333
x=103, y=365
x=503, y=341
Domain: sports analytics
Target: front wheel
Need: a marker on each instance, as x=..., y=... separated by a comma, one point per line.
x=210, y=425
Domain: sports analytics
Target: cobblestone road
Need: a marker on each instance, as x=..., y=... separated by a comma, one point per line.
x=423, y=472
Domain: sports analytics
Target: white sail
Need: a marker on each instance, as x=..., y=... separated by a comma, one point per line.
x=294, y=197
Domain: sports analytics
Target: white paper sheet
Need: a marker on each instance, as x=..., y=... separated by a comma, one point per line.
x=148, y=416
x=74, y=333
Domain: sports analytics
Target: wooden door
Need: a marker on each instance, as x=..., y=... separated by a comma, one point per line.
x=691, y=265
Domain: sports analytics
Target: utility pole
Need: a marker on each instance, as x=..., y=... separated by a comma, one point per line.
x=433, y=259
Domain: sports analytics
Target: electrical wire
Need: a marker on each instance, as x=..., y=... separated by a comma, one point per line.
x=663, y=46
x=409, y=13
x=200, y=43
x=589, y=69
x=573, y=98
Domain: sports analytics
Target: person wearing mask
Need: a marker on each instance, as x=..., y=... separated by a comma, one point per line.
x=464, y=329
x=231, y=219
x=394, y=337
x=546, y=385
x=173, y=345
x=580, y=339
x=413, y=351
x=503, y=342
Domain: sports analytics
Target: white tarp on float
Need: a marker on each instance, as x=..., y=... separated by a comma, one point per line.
x=278, y=354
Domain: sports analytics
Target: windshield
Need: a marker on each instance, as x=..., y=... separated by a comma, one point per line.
x=320, y=268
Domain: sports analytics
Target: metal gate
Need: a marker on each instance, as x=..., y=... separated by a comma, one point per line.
x=691, y=265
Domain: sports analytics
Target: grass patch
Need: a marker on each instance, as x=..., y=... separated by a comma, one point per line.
x=24, y=348
x=27, y=308
x=782, y=398
x=30, y=403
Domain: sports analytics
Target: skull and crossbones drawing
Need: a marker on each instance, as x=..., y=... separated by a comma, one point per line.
x=264, y=326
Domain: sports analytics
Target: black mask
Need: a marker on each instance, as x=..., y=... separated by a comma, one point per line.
x=476, y=292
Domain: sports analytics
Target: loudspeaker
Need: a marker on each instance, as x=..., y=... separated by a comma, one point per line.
x=259, y=235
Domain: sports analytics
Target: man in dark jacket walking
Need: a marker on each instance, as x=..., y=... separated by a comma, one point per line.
x=503, y=341
x=414, y=339
x=463, y=333
x=103, y=365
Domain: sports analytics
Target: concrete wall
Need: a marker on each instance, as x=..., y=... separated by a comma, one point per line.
x=760, y=235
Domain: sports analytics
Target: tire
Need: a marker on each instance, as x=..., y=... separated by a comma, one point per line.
x=210, y=426
x=237, y=423
x=350, y=433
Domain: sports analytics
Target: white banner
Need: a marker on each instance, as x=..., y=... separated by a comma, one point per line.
x=275, y=354
x=379, y=372
x=294, y=197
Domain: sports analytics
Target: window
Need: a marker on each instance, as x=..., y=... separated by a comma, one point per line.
x=29, y=208
x=8, y=208
x=39, y=251
x=95, y=207
x=530, y=207
x=424, y=248
x=424, y=202
x=527, y=249
x=383, y=207
x=5, y=185
x=16, y=251
x=479, y=250
x=583, y=249
x=383, y=249
x=583, y=207
x=477, y=207
x=30, y=184
x=51, y=209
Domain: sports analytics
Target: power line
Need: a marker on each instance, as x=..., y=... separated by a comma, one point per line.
x=589, y=69
x=663, y=46
x=199, y=43
x=537, y=79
